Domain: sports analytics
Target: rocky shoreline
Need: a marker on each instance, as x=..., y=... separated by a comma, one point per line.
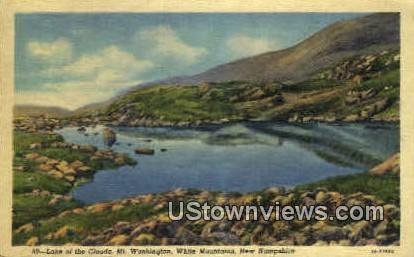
x=158, y=229
x=46, y=124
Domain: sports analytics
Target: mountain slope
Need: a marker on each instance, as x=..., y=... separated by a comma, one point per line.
x=370, y=34
x=361, y=88
x=348, y=72
x=32, y=110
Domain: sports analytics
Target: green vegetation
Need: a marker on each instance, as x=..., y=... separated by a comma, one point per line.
x=313, y=84
x=382, y=62
x=390, y=79
x=232, y=101
x=212, y=101
x=71, y=155
x=23, y=140
x=18, y=160
x=178, y=103
x=391, y=112
x=25, y=182
x=385, y=187
x=27, y=208
x=86, y=223
x=33, y=208
x=323, y=94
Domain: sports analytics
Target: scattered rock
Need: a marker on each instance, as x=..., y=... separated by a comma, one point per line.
x=78, y=211
x=391, y=211
x=344, y=242
x=45, y=167
x=320, y=243
x=120, y=160
x=321, y=197
x=145, y=151
x=56, y=174
x=109, y=137
x=32, y=156
x=41, y=159
x=25, y=228
x=63, y=166
x=275, y=191
x=56, y=199
x=99, y=207
x=381, y=228
x=33, y=241
x=117, y=207
x=70, y=179
x=391, y=165
x=63, y=232
x=352, y=118
x=87, y=148
x=328, y=233
x=143, y=239
x=84, y=169
x=359, y=230
x=119, y=240
x=76, y=164
x=35, y=146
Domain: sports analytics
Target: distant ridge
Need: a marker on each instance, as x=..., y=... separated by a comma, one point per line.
x=368, y=34
x=371, y=34
x=34, y=110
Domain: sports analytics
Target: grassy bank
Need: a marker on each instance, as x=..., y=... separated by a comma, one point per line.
x=35, y=192
x=79, y=226
x=385, y=187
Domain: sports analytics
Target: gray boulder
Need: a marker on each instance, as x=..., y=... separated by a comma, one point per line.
x=109, y=137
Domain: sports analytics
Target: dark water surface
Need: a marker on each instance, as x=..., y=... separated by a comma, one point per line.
x=241, y=157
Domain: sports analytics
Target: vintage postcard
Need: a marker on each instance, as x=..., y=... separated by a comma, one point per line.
x=133, y=128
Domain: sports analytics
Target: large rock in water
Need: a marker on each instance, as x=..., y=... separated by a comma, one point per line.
x=146, y=151
x=391, y=165
x=109, y=137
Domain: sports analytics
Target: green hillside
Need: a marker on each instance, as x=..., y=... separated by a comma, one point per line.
x=357, y=89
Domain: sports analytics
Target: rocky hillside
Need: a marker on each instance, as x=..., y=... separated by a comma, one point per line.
x=344, y=72
x=366, y=35
x=360, y=88
x=347, y=72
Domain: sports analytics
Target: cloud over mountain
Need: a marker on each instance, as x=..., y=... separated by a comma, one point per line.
x=91, y=77
x=243, y=45
x=166, y=43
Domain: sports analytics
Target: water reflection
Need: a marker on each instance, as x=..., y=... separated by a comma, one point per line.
x=241, y=157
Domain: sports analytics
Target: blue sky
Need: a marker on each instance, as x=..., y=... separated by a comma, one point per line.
x=70, y=60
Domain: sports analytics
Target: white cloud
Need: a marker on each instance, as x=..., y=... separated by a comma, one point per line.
x=244, y=45
x=108, y=60
x=91, y=78
x=69, y=99
x=57, y=51
x=166, y=43
x=71, y=94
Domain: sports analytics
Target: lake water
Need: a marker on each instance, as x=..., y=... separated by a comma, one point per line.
x=242, y=157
